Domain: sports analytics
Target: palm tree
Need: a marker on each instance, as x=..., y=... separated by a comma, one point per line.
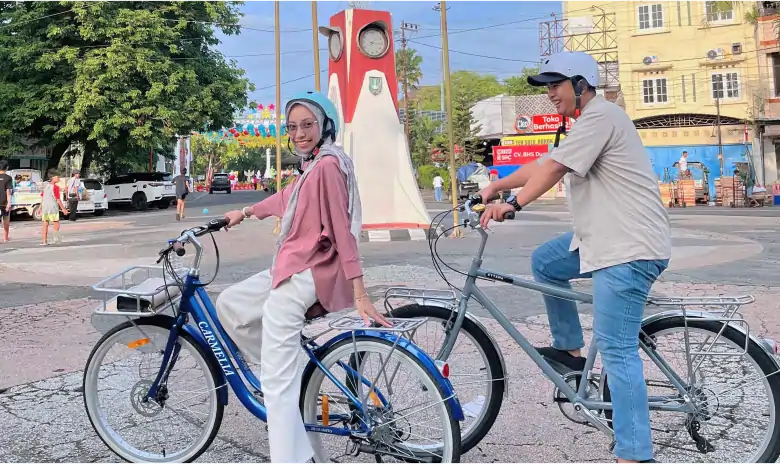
x=413, y=63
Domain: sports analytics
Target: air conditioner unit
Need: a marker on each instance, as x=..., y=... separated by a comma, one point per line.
x=648, y=60
x=736, y=48
x=715, y=54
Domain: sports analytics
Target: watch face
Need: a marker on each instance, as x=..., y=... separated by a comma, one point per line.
x=373, y=41
x=335, y=46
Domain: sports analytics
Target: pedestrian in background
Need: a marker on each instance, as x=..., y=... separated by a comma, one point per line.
x=182, y=184
x=73, y=191
x=51, y=204
x=438, y=183
x=6, y=185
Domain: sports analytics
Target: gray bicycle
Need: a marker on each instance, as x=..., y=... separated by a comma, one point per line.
x=699, y=357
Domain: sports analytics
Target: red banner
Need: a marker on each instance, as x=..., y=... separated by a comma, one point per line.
x=541, y=123
x=518, y=154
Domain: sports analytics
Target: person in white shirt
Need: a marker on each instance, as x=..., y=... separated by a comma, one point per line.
x=438, y=183
x=72, y=192
x=683, y=166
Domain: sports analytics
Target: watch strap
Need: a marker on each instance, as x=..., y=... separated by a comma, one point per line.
x=244, y=211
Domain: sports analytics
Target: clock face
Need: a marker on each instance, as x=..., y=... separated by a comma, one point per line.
x=335, y=45
x=373, y=41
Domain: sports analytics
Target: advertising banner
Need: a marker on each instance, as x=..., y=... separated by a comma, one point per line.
x=540, y=123
x=518, y=154
x=546, y=139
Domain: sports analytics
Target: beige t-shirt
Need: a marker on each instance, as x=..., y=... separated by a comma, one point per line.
x=612, y=191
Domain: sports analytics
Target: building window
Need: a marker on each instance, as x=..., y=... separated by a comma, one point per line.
x=651, y=16
x=684, y=96
x=654, y=91
x=716, y=11
x=725, y=85
x=776, y=72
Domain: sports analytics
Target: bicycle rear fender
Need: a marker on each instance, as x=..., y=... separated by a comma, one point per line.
x=708, y=315
x=220, y=381
x=417, y=353
x=478, y=323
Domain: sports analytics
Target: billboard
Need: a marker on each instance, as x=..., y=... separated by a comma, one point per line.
x=540, y=123
x=546, y=139
x=518, y=154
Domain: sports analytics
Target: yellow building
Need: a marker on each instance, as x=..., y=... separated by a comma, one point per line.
x=671, y=65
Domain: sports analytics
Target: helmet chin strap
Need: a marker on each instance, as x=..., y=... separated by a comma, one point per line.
x=580, y=85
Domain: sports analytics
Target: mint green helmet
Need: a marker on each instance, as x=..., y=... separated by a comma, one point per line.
x=327, y=107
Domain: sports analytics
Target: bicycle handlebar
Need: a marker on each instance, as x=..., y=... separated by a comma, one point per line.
x=191, y=235
x=476, y=199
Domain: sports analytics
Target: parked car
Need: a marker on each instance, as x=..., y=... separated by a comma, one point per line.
x=220, y=182
x=141, y=189
x=98, y=194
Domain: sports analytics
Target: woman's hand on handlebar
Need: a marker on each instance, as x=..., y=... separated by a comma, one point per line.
x=496, y=213
x=234, y=218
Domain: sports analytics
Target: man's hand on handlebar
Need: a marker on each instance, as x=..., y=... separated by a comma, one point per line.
x=496, y=213
x=488, y=193
x=234, y=218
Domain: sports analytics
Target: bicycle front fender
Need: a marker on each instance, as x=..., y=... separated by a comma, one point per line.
x=417, y=353
x=220, y=381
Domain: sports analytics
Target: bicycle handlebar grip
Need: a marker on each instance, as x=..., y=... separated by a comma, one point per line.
x=509, y=215
x=178, y=247
x=477, y=198
x=216, y=224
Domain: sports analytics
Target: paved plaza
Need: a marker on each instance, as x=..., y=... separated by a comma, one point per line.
x=46, y=304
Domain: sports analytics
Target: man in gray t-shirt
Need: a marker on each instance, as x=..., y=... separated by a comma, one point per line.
x=182, y=184
x=621, y=238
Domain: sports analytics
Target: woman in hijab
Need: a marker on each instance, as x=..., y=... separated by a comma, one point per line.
x=316, y=260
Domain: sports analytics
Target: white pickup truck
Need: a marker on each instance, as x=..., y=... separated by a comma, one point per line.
x=141, y=189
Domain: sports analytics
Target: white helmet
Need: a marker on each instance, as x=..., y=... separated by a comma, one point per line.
x=566, y=65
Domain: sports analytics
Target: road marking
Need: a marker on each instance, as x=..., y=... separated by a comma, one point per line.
x=379, y=235
x=418, y=234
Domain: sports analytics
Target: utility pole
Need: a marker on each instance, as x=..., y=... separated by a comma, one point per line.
x=717, y=123
x=456, y=232
x=404, y=72
x=316, y=39
x=278, y=109
x=437, y=7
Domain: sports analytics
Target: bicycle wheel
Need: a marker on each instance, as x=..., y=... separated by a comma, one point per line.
x=398, y=426
x=719, y=374
x=137, y=434
x=476, y=372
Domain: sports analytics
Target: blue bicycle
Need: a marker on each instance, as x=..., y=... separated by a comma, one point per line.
x=172, y=351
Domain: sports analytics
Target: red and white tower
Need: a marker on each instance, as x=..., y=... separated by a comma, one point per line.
x=363, y=86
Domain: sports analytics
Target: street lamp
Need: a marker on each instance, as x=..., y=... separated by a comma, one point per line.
x=456, y=232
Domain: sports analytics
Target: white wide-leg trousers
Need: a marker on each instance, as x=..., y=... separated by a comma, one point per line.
x=266, y=325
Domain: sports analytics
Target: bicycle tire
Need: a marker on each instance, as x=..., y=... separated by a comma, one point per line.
x=311, y=369
x=759, y=356
x=485, y=342
x=163, y=322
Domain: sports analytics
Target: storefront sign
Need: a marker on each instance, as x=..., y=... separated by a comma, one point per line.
x=530, y=140
x=518, y=154
x=523, y=124
x=544, y=123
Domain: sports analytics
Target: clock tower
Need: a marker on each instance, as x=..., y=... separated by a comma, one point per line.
x=363, y=86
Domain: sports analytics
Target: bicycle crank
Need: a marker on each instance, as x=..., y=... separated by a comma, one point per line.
x=573, y=380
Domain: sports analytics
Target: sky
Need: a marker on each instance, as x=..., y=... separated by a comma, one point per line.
x=498, y=38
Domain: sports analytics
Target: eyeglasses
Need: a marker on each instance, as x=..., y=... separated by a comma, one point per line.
x=305, y=125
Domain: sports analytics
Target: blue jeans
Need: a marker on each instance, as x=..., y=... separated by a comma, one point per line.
x=437, y=194
x=619, y=296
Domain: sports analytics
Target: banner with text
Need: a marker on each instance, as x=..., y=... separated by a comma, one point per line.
x=518, y=154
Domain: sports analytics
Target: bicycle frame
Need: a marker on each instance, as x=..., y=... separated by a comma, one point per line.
x=196, y=302
x=577, y=398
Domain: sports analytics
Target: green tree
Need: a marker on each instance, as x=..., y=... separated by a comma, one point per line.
x=119, y=77
x=423, y=131
x=518, y=85
x=413, y=63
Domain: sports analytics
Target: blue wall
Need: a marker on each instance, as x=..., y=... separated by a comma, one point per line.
x=665, y=157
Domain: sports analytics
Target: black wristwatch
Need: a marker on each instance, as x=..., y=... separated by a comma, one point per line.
x=512, y=200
